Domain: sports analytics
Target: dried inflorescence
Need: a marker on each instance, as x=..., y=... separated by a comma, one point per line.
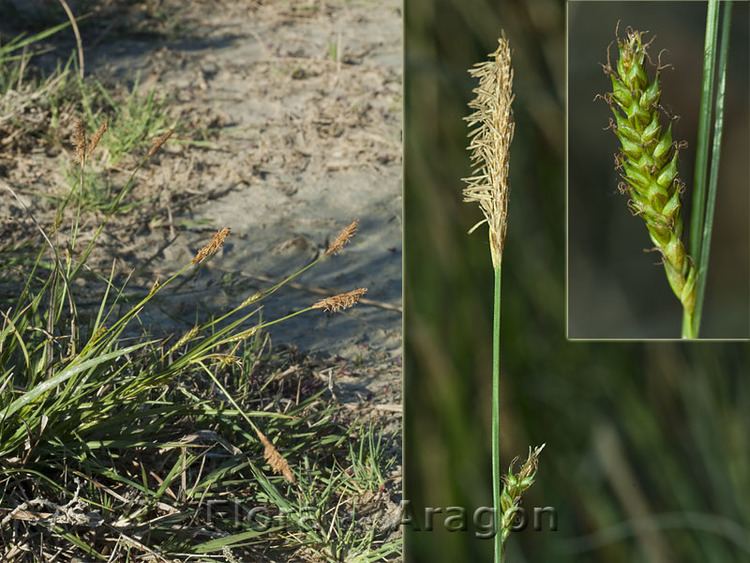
x=343, y=238
x=278, y=464
x=98, y=134
x=490, y=136
x=647, y=161
x=341, y=301
x=82, y=145
x=159, y=143
x=79, y=141
x=212, y=247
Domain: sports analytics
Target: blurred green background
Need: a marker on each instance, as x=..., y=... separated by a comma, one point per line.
x=647, y=455
x=616, y=290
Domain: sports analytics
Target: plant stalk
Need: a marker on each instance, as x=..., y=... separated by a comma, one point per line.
x=690, y=321
x=698, y=208
x=688, y=324
x=713, y=177
x=497, y=485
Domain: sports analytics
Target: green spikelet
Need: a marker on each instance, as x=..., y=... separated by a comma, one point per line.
x=647, y=161
x=516, y=485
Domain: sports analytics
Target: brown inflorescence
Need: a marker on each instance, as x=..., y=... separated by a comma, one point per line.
x=98, y=134
x=343, y=238
x=212, y=247
x=341, y=301
x=79, y=141
x=159, y=143
x=274, y=458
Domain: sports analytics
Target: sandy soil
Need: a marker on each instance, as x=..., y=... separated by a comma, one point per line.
x=309, y=95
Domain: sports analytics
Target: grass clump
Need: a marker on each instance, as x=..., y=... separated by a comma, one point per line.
x=39, y=110
x=134, y=118
x=115, y=440
x=134, y=124
x=30, y=103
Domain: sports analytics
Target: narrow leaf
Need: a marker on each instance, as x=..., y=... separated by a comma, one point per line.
x=67, y=373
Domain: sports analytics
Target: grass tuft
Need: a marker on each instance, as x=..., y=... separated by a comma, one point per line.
x=117, y=444
x=124, y=445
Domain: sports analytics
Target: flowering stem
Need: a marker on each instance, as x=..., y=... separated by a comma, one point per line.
x=688, y=324
x=496, y=468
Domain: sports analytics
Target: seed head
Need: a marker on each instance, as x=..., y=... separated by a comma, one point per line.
x=274, y=458
x=184, y=339
x=79, y=141
x=515, y=485
x=159, y=142
x=244, y=335
x=343, y=238
x=212, y=247
x=491, y=133
x=251, y=299
x=648, y=158
x=341, y=301
x=97, y=137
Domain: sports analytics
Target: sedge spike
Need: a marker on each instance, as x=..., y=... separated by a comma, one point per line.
x=492, y=128
x=516, y=484
x=647, y=160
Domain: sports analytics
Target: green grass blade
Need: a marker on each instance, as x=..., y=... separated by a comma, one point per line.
x=21, y=41
x=67, y=373
x=697, y=211
x=220, y=543
x=715, y=161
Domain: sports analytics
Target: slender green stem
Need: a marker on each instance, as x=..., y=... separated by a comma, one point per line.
x=715, y=160
x=268, y=291
x=253, y=330
x=496, y=469
x=228, y=396
x=688, y=325
x=263, y=293
x=697, y=211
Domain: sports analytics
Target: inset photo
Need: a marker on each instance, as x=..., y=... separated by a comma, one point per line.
x=658, y=133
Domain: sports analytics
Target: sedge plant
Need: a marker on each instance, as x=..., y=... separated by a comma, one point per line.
x=144, y=429
x=491, y=132
x=648, y=158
